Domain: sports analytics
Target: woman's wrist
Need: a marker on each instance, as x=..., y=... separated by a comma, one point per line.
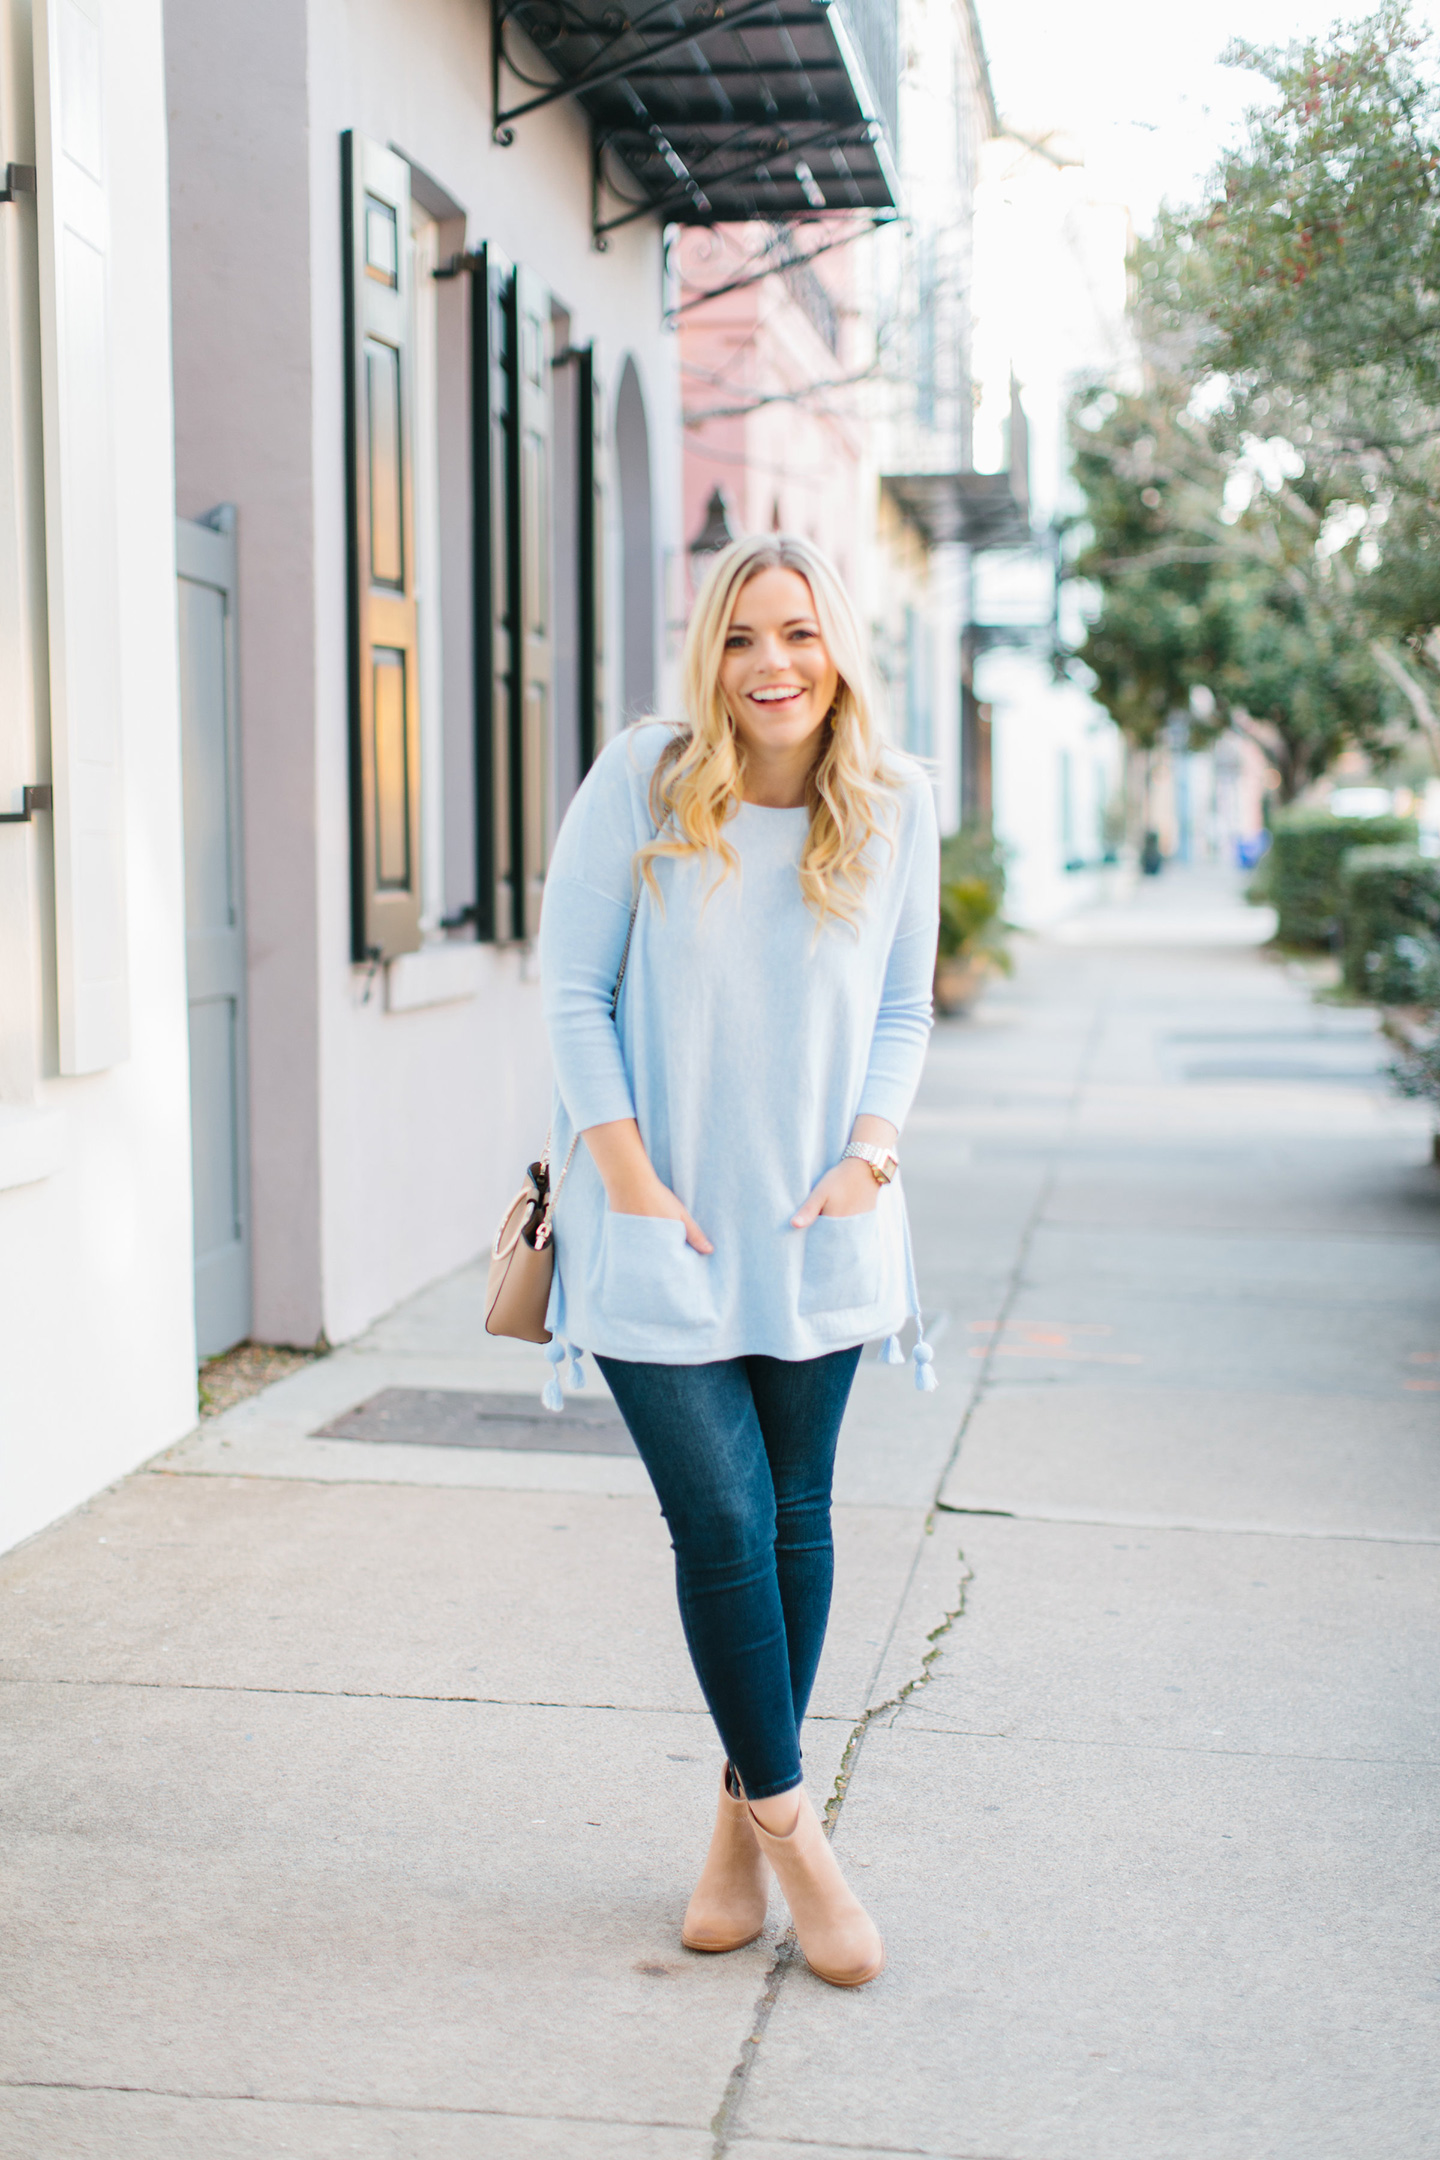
x=876, y=1132
x=632, y=1188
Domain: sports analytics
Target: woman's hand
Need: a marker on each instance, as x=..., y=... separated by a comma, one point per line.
x=850, y=1188
x=653, y=1198
x=632, y=1185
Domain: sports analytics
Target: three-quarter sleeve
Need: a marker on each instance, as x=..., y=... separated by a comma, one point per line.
x=902, y=1024
x=584, y=920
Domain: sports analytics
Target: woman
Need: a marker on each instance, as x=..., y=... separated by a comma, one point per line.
x=728, y=1236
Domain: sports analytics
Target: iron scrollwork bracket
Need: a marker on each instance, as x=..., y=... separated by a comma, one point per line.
x=547, y=25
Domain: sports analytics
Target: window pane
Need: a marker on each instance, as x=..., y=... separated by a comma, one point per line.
x=391, y=721
x=382, y=242
x=382, y=383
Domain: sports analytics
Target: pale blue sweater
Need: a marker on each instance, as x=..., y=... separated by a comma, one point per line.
x=745, y=1047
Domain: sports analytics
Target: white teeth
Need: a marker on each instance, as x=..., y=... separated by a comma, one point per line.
x=773, y=697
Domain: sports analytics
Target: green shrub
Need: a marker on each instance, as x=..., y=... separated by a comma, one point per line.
x=1302, y=870
x=1416, y=1072
x=1390, y=919
x=972, y=892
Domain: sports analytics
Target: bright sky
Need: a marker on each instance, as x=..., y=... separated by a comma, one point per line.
x=1139, y=86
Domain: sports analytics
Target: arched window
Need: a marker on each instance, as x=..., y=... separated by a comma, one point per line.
x=637, y=548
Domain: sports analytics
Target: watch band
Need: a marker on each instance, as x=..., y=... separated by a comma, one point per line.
x=883, y=1161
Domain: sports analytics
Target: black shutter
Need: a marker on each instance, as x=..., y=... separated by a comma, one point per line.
x=496, y=909
x=592, y=558
x=531, y=691
x=384, y=672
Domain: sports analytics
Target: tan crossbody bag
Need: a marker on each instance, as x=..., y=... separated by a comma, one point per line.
x=522, y=1259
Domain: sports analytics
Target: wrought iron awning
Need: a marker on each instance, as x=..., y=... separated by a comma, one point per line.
x=718, y=112
x=982, y=510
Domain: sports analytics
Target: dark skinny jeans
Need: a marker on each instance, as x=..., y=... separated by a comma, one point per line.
x=741, y=1455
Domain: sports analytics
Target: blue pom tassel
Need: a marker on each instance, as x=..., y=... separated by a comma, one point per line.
x=550, y=1394
x=925, y=1379
x=577, y=1370
x=890, y=1351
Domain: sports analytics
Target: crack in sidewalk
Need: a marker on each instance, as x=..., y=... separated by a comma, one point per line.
x=725, y=2121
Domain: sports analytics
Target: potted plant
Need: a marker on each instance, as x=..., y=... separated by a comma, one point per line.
x=972, y=944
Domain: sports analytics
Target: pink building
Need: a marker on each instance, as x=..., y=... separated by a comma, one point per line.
x=772, y=414
x=826, y=386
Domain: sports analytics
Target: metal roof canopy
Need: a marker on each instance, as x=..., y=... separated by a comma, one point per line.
x=981, y=510
x=713, y=113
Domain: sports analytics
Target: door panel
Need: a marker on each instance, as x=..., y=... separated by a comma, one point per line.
x=215, y=933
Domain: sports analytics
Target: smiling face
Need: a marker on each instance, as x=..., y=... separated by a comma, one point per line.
x=776, y=676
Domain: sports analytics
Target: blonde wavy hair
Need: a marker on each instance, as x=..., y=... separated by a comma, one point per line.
x=699, y=780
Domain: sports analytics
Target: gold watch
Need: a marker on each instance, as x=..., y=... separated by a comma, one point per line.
x=883, y=1161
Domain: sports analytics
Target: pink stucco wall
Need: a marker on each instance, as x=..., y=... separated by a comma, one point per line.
x=793, y=464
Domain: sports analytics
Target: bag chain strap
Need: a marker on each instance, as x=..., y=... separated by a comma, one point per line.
x=542, y=1230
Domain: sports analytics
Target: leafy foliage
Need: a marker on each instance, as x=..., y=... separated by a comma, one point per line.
x=1390, y=912
x=972, y=894
x=1316, y=265
x=1308, y=291
x=1199, y=594
x=1302, y=872
x=1264, y=517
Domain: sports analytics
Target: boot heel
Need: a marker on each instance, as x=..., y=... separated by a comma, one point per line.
x=729, y=1905
x=840, y=1941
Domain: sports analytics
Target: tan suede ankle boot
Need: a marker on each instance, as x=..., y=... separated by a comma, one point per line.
x=840, y=1941
x=728, y=1908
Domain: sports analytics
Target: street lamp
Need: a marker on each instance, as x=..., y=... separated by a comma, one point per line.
x=716, y=533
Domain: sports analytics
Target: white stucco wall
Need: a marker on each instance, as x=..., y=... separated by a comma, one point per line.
x=426, y=1116
x=1043, y=731
x=96, y=1307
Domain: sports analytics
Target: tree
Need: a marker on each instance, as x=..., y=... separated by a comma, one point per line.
x=1307, y=291
x=1215, y=577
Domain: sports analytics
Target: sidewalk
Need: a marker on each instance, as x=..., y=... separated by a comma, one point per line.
x=354, y=1787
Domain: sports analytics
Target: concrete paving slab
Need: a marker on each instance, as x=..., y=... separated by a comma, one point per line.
x=1110, y=1954
x=1349, y=1272
x=935, y=1597
x=808, y=2149
x=1370, y=1186
x=273, y=1434
x=398, y=1904
x=1230, y=1645
x=896, y=1442
x=152, y=2126
x=522, y=1597
x=295, y=1454
x=1237, y=1116
x=1070, y=1331
x=1128, y=925
x=1317, y=1465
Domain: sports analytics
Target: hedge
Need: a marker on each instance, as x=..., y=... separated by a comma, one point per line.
x=1300, y=876
x=1391, y=924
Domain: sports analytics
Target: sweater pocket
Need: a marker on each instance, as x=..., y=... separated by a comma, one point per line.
x=841, y=1268
x=651, y=1277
